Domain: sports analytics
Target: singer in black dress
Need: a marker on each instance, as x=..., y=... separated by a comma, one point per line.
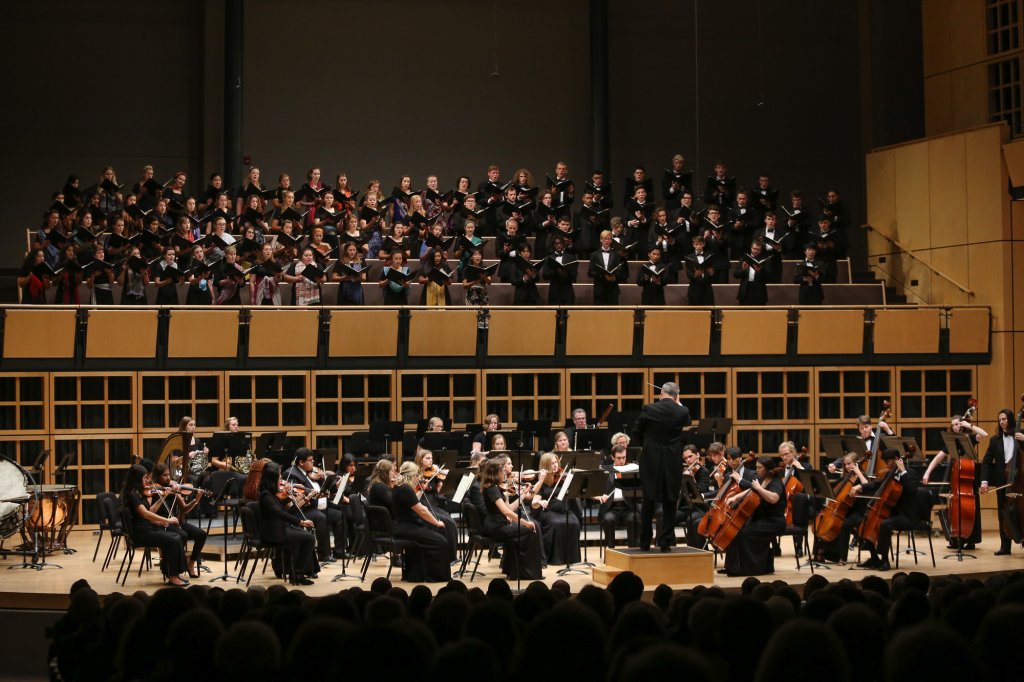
x=521, y=558
x=278, y=527
x=427, y=559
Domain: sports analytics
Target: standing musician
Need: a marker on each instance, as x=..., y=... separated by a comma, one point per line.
x=559, y=523
x=325, y=519
x=150, y=529
x=999, y=457
x=904, y=514
x=433, y=499
x=279, y=527
x=867, y=434
x=428, y=558
x=659, y=428
x=975, y=433
x=173, y=505
x=750, y=552
x=522, y=555
x=690, y=515
x=614, y=511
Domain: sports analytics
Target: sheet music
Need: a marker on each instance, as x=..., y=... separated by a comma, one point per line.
x=460, y=492
x=631, y=468
x=342, y=484
x=566, y=480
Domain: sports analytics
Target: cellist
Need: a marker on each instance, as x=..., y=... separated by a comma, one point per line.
x=975, y=433
x=903, y=516
x=750, y=552
x=837, y=548
x=1001, y=453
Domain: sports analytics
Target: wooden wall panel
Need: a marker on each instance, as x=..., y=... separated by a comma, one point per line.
x=951, y=261
x=38, y=334
x=970, y=100
x=363, y=333
x=278, y=333
x=996, y=380
x=938, y=105
x=966, y=33
x=1016, y=284
x=1018, y=366
x=969, y=330
x=935, y=35
x=912, y=214
x=754, y=332
x=991, y=281
x=203, y=334
x=881, y=191
x=599, y=332
x=677, y=332
x=521, y=332
x=906, y=331
x=947, y=190
x=436, y=332
x=121, y=334
x=827, y=332
x=986, y=187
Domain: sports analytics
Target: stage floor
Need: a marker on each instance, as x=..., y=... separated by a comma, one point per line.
x=25, y=588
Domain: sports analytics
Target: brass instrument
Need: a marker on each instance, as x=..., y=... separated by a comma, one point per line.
x=241, y=464
x=173, y=446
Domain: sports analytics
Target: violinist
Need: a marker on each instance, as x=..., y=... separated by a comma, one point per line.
x=475, y=495
x=560, y=530
x=150, y=529
x=382, y=480
x=522, y=555
x=904, y=514
x=347, y=467
x=750, y=553
x=867, y=434
x=431, y=479
x=690, y=515
x=279, y=527
x=614, y=511
x=975, y=433
x=1001, y=454
x=325, y=520
x=428, y=558
x=177, y=506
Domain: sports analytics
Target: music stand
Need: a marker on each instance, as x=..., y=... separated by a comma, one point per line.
x=620, y=421
x=592, y=439
x=268, y=439
x=958, y=445
x=384, y=433
x=62, y=467
x=533, y=429
x=446, y=440
x=359, y=445
x=586, y=460
x=816, y=486
x=633, y=454
x=906, y=444
x=583, y=486
x=833, y=446
x=37, y=466
x=449, y=459
x=229, y=443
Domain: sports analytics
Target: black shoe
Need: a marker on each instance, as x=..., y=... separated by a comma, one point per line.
x=799, y=553
x=722, y=571
x=302, y=581
x=665, y=549
x=777, y=551
x=969, y=546
x=883, y=565
x=1003, y=551
x=644, y=547
x=870, y=563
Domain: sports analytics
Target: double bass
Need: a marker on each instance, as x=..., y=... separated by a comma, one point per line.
x=957, y=519
x=874, y=469
x=1013, y=512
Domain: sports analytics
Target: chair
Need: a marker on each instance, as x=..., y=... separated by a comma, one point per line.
x=477, y=541
x=798, y=531
x=104, y=523
x=108, y=510
x=923, y=524
x=357, y=511
x=248, y=512
x=381, y=533
x=129, y=549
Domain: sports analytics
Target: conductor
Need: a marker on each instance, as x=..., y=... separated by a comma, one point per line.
x=659, y=430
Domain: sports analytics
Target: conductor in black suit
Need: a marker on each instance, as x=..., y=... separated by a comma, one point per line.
x=606, y=286
x=659, y=430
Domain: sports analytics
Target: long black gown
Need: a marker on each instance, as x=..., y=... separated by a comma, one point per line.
x=148, y=534
x=561, y=533
x=750, y=553
x=521, y=558
x=427, y=559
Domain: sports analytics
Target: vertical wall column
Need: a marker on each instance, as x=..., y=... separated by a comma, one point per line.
x=599, y=83
x=233, y=30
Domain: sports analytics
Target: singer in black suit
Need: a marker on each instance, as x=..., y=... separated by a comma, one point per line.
x=606, y=287
x=659, y=429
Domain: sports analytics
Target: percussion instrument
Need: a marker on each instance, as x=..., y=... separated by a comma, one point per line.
x=13, y=494
x=51, y=512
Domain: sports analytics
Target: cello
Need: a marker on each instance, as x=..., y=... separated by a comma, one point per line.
x=957, y=519
x=830, y=519
x=881, y=508
x=873, y=467
x=734, y=519
x=794, y=486
x=711, y=522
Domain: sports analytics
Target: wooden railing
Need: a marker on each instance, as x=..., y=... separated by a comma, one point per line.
x=895, y=242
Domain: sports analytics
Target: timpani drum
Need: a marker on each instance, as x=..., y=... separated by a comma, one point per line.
x=51, y=511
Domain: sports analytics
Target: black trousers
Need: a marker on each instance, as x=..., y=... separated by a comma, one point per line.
x=301, y=544
x=326, y=522
x=195, y=535
x=1001, y=506
x=666, y=529
x=620, y=514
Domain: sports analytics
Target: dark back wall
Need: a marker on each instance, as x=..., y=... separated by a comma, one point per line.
x=768, y=86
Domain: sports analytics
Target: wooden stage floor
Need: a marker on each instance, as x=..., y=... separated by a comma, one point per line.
x=22, y=588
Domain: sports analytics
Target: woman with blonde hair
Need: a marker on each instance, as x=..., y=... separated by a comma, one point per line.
x=558, y=521
x=427, y=558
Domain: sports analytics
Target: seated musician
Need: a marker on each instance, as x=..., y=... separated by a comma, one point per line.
x=615, y=511
x=716, y=455
x=689, y=515
x=975, y=433
x=903, y=516
x=381, y=482
x=174, y=505
x=522, y=555
x=750, y=552
x=836, y=550
x=432, y=498
x=736, y=464
x=281, y=528
x=428, y=559
x=221, y=461
x=475, y=494
x=558, y=521
x=491, y=423
x=867, y=434
x=325, y=519
x=347, y=466
x=620, y=439
x=150, y=529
